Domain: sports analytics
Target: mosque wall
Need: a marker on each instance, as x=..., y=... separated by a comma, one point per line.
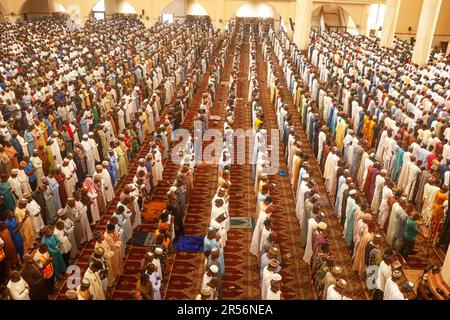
x=221, y=11
x=409, y=18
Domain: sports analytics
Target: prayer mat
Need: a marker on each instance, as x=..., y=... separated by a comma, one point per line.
x=153, y=210
x=189, y=244
x=242, y=223
x=142, y=239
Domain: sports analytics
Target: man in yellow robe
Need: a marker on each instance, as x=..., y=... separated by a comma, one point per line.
x=123, y=170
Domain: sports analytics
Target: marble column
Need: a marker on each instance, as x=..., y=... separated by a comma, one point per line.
x=364, y=27
x=303, y=16
x=390, y=23
x=425, y=31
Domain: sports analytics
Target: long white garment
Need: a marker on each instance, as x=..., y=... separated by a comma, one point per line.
x=90, y=161
x=69, y=181
x=82, y=210
x=109, y=189
x=384, y=271
x=392, y=291
x=384, y=208
x=19, y=290
x=300, y=203
x=312, y=225
x=96, y=288
x=265, y=282
x=256, y=238
x=35, y=214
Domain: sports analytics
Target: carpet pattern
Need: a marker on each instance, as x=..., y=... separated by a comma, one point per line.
x=150, y=216
x=296, y=283
x=187, y=269
x=333, y=233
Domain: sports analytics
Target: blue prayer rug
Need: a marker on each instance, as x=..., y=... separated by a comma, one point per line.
x=189, y=244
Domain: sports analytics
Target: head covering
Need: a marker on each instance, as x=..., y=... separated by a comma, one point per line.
x=322, y=225
x=341, y=284
x=274, y=263
x=337, y=270
x=276, y=277
x=396, y=274
x=353, y=191
x=214, y=269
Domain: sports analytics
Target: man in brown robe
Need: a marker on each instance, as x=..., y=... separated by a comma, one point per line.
x=32, y=274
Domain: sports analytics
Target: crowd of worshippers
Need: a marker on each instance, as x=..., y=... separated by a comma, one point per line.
x=379, y=130
x=215, y=241
x=76, y=105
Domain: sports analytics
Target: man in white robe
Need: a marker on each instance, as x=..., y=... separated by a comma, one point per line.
x=268, y=276
x=106, y=180
x=256, y=237
x=392, y=290
x=330, y=170
x=94, y=146
x=70, y=178
x=90, y=161
x=300, y=203
x=313, y=224
x=93, y=275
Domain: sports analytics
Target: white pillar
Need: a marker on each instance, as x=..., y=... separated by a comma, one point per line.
x=425, y=31
x=364, y=27
x=303, y=16
x=111, y=8
x=390, y=23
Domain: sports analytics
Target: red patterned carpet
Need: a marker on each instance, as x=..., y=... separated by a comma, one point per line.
x=341, y=254
x=188, y=268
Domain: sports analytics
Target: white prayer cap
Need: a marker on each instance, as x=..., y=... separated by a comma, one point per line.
x=14, y=171
x=85, y=136
x=173, y=189
x=214, y=249
x=341, y=284
x=316, y=196
x=383, y=171
x=85, y=282
x=322, y=225
x=149, y=254
x=91, y=134
x=337, y=270
x=214, y=269
x=276, y=277
x=263, y=131
x=159, y=251
x=396, y=274
x=352, y=192
x=105, y=163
